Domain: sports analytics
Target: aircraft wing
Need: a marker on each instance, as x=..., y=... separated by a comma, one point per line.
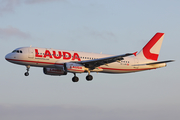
x=103, y=61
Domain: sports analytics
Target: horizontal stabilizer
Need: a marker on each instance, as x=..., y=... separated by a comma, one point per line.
x=160, y=62
x=153, y=63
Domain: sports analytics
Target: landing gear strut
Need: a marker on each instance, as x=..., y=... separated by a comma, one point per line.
x=89, y=77
x=27, y=68
x=75, y=78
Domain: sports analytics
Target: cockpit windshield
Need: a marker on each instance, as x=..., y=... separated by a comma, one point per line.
x=17, y=51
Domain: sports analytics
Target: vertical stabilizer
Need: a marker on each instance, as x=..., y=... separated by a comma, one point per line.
x=152, y=48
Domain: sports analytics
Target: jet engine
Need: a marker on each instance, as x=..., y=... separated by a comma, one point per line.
x=54, y=71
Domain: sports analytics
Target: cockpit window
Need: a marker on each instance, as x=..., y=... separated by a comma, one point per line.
x=13, y=51
x=17, y=51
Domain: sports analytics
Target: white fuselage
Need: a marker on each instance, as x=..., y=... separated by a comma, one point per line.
x=51, y=58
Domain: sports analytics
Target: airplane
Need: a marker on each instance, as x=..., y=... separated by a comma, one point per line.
x=60, y=62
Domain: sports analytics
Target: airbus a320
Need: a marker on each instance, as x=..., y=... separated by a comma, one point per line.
x=60, y=62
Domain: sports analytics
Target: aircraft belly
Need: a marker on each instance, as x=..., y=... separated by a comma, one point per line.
x=124, y=68
x=118, y=68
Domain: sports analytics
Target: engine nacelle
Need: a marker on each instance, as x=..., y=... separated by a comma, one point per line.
x=54, y=71
x=75, y=68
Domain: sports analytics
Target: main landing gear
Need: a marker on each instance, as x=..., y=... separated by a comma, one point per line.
x=27, y=68
x=75, y=78
x=88, y=77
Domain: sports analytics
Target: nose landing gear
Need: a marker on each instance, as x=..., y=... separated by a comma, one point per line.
x=27, y=68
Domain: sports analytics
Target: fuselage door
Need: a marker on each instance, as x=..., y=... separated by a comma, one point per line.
x=136, y=61
x=30, y=53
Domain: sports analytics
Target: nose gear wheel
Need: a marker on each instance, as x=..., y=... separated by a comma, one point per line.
x=27, y=68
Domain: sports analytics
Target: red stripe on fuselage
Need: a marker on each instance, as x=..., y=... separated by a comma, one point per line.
x=31, y=61
x=113, y=69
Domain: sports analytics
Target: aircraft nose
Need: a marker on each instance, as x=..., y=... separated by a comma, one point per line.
x=8, y=56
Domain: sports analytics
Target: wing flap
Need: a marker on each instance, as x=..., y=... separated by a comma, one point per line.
x=103, y=61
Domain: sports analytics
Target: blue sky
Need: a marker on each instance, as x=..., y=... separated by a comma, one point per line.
x=107, y=26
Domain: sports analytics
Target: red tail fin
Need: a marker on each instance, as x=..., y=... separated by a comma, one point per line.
x=152, y=48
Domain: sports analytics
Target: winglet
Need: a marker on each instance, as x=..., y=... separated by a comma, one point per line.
x=135, y=53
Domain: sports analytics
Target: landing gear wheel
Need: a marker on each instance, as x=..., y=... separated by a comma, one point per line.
x=75, y=79
x=26, y=73
x=89, y=77
x=27, y=68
